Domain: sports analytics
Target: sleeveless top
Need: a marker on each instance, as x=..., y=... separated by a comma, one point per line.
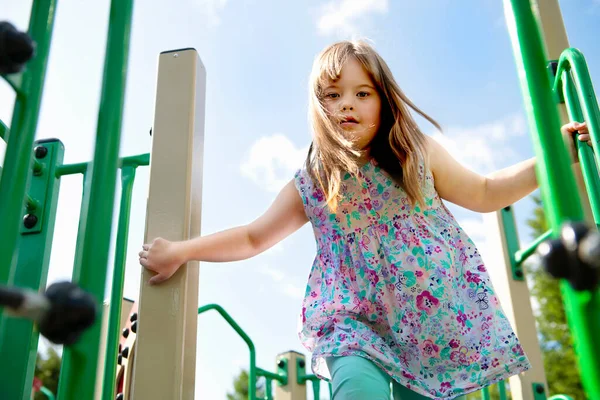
x=403, y=287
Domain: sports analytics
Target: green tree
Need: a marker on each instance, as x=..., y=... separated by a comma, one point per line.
x=560, y=363
x=47, y=369
x=240, y=387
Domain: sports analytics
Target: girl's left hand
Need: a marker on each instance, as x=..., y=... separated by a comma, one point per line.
x=584, y=136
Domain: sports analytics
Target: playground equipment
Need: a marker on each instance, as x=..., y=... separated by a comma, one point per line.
x=156, y=360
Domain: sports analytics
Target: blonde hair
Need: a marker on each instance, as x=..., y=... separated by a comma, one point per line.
x=398, y=146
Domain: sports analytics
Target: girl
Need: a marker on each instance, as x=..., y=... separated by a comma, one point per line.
x=397, y=292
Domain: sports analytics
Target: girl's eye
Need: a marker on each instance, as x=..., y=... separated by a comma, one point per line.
x=331, y=95
x=362, y=94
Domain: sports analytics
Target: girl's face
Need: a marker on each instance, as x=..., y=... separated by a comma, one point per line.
x=353, y=102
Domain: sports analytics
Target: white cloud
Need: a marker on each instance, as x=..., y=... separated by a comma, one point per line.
x=272, y=161
x=294, y=291
x=485, y=147
x=345, y=16
x=211, y=10
x=275, y=274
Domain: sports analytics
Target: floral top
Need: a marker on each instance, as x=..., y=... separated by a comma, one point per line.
x=403, y=287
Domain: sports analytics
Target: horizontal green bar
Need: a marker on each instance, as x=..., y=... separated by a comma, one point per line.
x=135, y=161
x=80, y=168
x=268, y=375
x=524, y=254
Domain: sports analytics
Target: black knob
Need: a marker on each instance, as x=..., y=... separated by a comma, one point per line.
x=119, y=359
x=16, y=48
x=30, y=221
x=71, y=312
x=134, y=327
x=40, y=151
x=125, y=352
x=119, y=396
x=539, y=388
x=301, y=363
x=125, y=333
x=281, y=363
x=555, y=258
x=133, y=317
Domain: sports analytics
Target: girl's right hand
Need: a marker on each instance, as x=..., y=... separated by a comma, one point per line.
x=162, y=257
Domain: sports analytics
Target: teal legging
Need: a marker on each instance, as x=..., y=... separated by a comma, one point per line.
x=356, y=378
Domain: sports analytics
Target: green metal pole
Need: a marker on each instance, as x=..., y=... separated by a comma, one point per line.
x=249, y=343
x=23, y=128
x=485, y=393
x=561, y=202
x=78, y=371
x=585, y=152
x=502, y=390
x=19, y=340
x=116, y=298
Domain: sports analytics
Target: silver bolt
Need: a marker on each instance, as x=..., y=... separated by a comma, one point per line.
x=175, y=55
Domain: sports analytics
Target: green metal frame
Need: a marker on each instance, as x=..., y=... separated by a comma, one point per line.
x=255, y=372
x=33, y=254
x=557, y=183
x=29, y=89
x=80, y=361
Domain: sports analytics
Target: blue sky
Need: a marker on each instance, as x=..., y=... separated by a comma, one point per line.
x=453, y=59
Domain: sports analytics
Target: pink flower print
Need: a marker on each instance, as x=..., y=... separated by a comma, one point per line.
x=303, y=314
x=463, y=258
x=429, y=348
x=385, y=195
x=368, y=204
x=454, y=343
x=437, y=249
x=319, y=213
x=409, y=376
x=481, y=268
x=427, y=302
x=445, y=386
x=461, y=317
x=364, y=242
x=323, y=229
x=318, y=194
x=495, y=363
x=518, y=350
x=460, y=356
x=471, y=277
x=383, y=229
x=377, y=204
x=313, y=294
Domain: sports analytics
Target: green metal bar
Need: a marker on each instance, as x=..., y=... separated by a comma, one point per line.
x=80, y=168
x=502, y=390
x=585, y=153
x=268, y=389
x=559, y=191
x=78, y=370
x=524, y=254
x=23, y=127
x=512, y=242
x=19, y=337
x=485, y=393
x=561, y=397
x=48, y=393
x=246, y=338
x=574, y=59
x=3, y=131
x=71, y=169
x=116, y=297
x=267, y=374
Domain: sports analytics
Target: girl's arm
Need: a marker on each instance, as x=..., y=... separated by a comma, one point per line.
x=475, y=192
x=285, y=216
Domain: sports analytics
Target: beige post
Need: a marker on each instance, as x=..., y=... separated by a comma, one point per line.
x=165, y=356
x=554, y=36
x=293, y=390
x=516, y=303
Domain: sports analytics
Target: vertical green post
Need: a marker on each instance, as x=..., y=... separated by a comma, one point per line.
x=116, y=297
x=502, y=390
x=78, y=372
x=23, y=128
x=584, y=152
x=561, y=202
x=20, y=339
x=485, y=393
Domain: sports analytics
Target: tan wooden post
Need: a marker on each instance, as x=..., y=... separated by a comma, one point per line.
x=165, y=356
x=293, y=390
